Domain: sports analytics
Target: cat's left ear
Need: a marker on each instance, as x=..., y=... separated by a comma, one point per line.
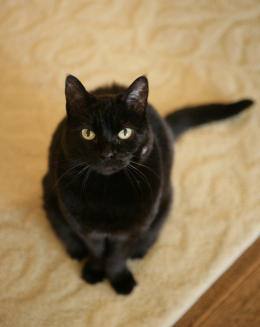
x=137, y=93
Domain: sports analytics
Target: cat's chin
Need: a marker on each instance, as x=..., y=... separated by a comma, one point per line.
x=108, y=170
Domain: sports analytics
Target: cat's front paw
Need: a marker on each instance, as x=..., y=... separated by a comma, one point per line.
x=77, y=253
x=92, y=274
x=124, y=283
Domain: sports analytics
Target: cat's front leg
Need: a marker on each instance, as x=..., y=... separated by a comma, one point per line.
x=120, y=277
x=94, y=271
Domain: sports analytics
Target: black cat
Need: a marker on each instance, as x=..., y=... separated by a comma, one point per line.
x=108, y=188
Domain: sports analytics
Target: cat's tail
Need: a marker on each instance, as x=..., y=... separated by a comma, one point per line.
x=189, y=117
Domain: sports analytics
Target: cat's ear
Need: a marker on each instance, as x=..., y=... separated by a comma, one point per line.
x=137, y=93
x=77, y=97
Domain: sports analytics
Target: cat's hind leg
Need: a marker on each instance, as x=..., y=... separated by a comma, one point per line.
x=146, y=241
x=73, y=244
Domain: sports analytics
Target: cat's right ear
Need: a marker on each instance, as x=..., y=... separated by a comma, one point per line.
x=77, y=97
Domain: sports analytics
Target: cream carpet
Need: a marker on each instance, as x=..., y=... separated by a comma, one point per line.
x=192, y=52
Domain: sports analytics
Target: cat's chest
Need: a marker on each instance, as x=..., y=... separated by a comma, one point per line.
x=114, y=189
x=113, y=195
x=115, y=204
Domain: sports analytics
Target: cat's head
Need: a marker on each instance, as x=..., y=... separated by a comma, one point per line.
x=107, y=129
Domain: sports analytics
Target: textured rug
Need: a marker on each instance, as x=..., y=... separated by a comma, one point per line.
x=192, y=52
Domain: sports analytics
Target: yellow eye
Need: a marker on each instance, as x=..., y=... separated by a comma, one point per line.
x=88, y=134
x=125, y=133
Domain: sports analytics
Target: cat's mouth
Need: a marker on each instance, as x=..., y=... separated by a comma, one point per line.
x=109, y=168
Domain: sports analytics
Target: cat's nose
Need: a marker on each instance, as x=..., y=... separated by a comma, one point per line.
x=107, y=154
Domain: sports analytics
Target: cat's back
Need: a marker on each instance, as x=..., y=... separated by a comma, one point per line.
x=164, y=140
x=161, y=130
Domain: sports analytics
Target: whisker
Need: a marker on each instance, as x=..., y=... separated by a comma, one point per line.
x=84, y=183
x=67, y=172
x=142, y=165
x=77, y=175
x=82, y=171
x=129, y=178
x=142, y=176
x=136, y=178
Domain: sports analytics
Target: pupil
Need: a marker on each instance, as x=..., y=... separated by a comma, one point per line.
x=88, y=132
x=125, y=131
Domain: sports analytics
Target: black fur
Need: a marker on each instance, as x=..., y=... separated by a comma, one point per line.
x=108, y=198
x=186, y=118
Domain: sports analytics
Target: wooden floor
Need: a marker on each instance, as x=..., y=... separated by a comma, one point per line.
x=234, y=300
